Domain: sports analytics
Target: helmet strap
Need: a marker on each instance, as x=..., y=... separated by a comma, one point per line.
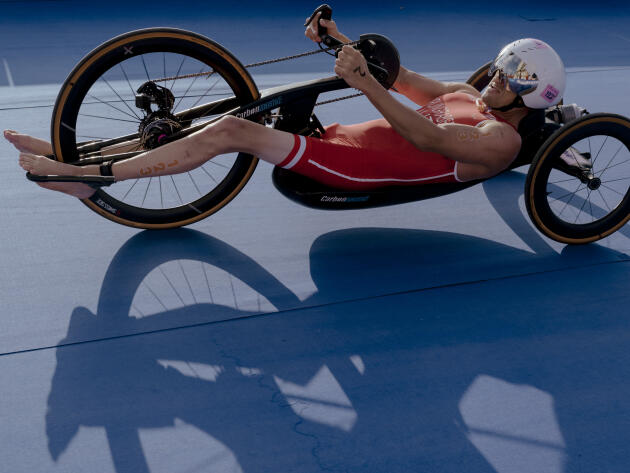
x=517, y=102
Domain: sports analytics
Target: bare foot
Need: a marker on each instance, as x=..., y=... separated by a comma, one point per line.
x=41, y=165
x=27, y=144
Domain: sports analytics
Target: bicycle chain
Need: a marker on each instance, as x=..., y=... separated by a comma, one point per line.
x=273, y=61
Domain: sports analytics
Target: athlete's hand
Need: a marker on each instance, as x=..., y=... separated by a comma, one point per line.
x=311, y=29
x=352, y=67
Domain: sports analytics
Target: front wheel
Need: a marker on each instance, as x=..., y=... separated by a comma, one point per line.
x=578, y=186
x=97, y=104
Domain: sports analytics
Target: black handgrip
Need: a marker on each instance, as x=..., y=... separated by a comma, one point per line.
x=326, y=14
x=322, y=31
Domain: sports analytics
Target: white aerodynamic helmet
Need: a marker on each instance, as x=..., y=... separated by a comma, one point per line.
x=533, y=70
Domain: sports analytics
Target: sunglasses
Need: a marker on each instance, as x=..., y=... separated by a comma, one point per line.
x=511, y=80
x=503, y=80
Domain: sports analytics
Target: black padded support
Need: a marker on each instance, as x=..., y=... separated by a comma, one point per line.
x=531, y=123
x=534, y=130
x=306, y=191
x=98, y=181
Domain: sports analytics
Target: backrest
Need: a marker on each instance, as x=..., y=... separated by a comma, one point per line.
x=534, y=131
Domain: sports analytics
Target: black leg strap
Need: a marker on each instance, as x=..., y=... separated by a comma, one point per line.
x=106, y=171
x=106, y=168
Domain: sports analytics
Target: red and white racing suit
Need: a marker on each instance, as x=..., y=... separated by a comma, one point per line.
x=372, y=154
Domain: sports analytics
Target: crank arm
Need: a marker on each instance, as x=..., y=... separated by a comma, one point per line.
x=377, y=71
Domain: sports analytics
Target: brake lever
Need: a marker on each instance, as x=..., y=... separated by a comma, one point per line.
x=381, y=74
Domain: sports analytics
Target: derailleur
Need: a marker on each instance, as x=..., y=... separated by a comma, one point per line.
x=157, y=126
x=150, y=93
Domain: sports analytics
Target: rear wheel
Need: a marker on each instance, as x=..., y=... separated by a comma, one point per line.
x=97, y=103
x=573, y=204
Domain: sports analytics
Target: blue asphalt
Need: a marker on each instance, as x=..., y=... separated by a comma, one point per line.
x=441, y=336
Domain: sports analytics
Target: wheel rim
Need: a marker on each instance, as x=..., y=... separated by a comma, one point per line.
x=109, y=111
x=580, y=207
x=169, y=201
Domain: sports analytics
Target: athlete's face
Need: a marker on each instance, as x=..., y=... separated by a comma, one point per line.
x=497, y=94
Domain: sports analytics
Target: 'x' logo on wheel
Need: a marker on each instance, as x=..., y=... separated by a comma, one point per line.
x=128, y=49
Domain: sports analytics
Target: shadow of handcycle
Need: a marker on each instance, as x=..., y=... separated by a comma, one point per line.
x=187, y=361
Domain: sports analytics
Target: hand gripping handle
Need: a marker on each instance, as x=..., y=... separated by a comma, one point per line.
x=322, y=31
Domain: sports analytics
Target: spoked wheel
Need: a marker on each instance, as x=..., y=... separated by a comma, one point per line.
x=97, y=114
x=570, y=202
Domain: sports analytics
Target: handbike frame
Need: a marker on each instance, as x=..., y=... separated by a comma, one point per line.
x=290, y=108
x=295, y=102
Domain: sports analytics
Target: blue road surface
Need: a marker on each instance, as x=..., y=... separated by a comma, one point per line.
x=441, y=336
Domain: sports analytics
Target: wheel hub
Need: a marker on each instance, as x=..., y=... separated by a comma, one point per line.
x=156, y=128
x=593, y=184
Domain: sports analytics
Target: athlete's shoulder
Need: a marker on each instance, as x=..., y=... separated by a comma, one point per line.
x=463, y=88
x=463, y=96
x=508, y=134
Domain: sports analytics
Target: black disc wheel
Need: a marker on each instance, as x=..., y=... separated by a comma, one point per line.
x=98, y=108
x=578, y=186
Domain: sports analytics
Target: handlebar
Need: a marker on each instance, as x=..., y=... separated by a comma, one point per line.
x=381, y=55
x=322, y=31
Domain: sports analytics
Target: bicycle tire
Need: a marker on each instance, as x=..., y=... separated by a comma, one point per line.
x=537, y=184
x=138, y=44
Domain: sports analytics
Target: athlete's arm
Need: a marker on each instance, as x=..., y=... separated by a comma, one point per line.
x=422, y=90
x=489, y=148
x=492, y=145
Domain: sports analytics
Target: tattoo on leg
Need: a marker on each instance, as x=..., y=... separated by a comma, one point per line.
x=157, y=168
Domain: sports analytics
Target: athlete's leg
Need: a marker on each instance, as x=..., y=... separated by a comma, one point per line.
x=30, y=144
x=27, y=144
x=230, y=134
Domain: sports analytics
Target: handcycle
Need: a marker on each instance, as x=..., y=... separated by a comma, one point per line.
x=566, y=199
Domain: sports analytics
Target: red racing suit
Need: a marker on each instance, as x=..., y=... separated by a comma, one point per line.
x=372, y=154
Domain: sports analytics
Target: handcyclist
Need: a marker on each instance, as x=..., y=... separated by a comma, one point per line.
x=458, y=134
